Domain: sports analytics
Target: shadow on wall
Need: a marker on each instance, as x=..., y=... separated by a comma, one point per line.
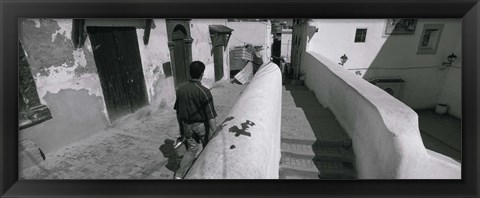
x=423, y=81
x=398, y=59
x=243, y=130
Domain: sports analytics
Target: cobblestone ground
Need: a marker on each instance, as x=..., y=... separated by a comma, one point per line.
x=140, y=146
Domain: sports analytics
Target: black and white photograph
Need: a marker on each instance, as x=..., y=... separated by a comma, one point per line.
x=239, y=98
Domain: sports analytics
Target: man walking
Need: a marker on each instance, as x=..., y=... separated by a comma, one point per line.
x=196, y=116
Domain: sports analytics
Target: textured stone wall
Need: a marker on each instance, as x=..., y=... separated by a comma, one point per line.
x=67, y=80
x=67, y=83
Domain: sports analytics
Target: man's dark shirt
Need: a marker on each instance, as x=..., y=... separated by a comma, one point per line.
x=194, y=103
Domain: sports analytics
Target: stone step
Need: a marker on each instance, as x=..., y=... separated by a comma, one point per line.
x=294, y=113
x=287, y=173
x=288, y=105
x=347, y=142
x=298, y=140
x=295, y=125
x=337, y=153
x=303, y=167
x=287, y=99
x=299, y=164
x=297, y=150
x=295, y=87
x=306, y=150
x=335, y=170
x=290, y=82
x=305, y=97
x=311, y=134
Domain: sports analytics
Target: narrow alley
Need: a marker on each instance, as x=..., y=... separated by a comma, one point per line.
x=314, y=145
x=139, y=146
x=96, y=98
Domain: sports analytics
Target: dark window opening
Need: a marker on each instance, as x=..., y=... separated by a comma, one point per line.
x=360, y=35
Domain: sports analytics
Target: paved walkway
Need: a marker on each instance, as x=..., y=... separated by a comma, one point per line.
x=138, y=147
x=441, y=133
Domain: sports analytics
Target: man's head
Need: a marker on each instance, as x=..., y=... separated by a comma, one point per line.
x=196, y=69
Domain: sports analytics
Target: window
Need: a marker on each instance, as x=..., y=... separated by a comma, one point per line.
x=360, y=35
x=429, y=39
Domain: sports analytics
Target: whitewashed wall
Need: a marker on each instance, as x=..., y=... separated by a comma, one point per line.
x=202, y=49
x=452, y=88
x=387, y=142
x=394, y=56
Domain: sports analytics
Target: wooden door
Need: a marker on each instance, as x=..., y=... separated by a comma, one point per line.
x=181, y=74
x=218, y=62
x=180, y=63
x=119, y=66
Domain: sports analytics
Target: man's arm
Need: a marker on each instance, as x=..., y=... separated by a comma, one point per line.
x=213, y=127
x=180, y=126
x=210, y=113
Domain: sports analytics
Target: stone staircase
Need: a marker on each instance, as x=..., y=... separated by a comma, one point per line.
x=313, y=144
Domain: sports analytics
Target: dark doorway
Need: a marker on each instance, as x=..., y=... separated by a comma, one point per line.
x=276, y=48
x=180, y=59
x=119, y=66
x=218, y=62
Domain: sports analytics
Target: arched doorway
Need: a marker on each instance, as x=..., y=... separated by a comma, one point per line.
x=180, y=45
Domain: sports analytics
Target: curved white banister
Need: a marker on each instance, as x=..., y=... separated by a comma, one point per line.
x=384, y=131
x=247, y=145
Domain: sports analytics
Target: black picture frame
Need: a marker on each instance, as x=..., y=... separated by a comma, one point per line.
x=11, y=11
